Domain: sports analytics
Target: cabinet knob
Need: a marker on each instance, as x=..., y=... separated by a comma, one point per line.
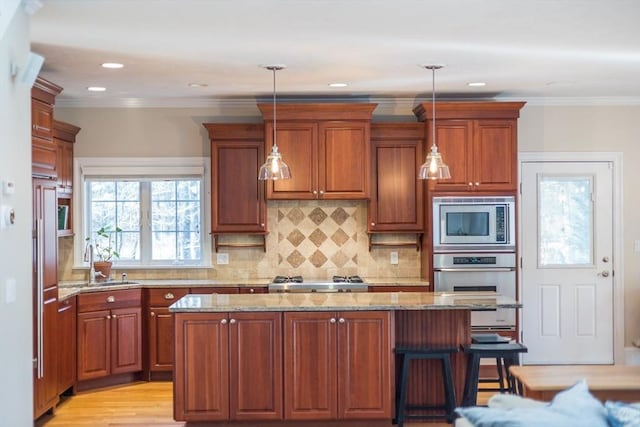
x=108, y=317
x=471, y=183
x=315, y=192
x=262, y=224
x=477, y=183
x=341, y=320
x=113, y=316
x=153, y=314
x=321, y=192
x=111, y=298
x=169, y=295
x=332, y=320
x=223, y=321
x=373, y=223
x=232, y=321
x=251, y=290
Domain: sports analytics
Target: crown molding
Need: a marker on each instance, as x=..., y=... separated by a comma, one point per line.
x=227, y=104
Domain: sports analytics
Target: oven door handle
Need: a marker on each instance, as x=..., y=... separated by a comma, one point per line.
x=476, y=270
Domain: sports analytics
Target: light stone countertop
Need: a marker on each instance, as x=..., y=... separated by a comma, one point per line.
x=67, y=289
x=350, y=301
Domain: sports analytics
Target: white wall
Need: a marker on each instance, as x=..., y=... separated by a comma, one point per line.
x=16, y=374
x=178, y=132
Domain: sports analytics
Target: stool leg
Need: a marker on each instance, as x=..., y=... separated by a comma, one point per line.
x=500, y=374
x=470, y=395
x=449, y=390
x=404, y=383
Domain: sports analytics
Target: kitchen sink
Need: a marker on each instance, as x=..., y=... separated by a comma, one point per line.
x=115, y=283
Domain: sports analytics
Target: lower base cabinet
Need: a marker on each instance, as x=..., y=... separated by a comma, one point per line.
x=228, y=366
x=337, y=365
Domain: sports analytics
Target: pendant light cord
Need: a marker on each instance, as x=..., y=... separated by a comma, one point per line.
x=433, y=106
x=275, y=143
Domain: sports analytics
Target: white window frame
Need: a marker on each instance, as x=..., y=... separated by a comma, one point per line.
x=143, y=167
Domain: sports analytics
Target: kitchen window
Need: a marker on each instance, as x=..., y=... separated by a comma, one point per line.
x=158, y=205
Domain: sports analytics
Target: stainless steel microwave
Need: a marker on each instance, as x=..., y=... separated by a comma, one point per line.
x=474, y=224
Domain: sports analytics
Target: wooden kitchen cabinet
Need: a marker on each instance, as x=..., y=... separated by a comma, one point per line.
x=66, y=344
x=43, y=147
x=337, y=365
x=109, y=333
x=327, y=148
x=64, y=136
x=237, y=197
x=160, y=327
x=232, y=364
x=478, y=141
x=396, y=202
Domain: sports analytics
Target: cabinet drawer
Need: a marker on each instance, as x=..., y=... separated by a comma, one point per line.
x=107, y=300
x=214, y=290
x=164, y=297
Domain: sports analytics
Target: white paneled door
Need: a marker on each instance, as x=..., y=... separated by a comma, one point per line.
x=567, y=270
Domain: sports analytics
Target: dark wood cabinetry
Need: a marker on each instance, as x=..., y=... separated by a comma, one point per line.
x=66, y=344
x=45, y=295
x=109, y=333
x=396, y=203
x=326, y=147
x=237, y=197
x=160, y=327
x=478, y=141
x=43, y=147
x=64, y=136
x=228, y=367
x=330, y=359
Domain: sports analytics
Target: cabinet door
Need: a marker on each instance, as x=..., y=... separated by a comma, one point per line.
x=237, y=197
x=64, y=166
x=126, y=340
x=298, y=144
x=46, y=387
x=66, y=344
x=310, y=366
x=364, y=357
x=201, y=378
x=94, y=344
x=42, y=120
x=343, y=160
x=454, y=139
x=495, y=155
x=396, y=193
x=255, y=362
x=160, y=339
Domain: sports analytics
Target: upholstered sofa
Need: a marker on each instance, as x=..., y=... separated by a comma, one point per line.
x=574, y=406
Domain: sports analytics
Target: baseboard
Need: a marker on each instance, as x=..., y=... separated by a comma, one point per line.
x=632, y=356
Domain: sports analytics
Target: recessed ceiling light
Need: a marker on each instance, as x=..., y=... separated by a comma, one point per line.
x=113, y=65
x=198, y=85
x=338, y=84
x=96, y=89
x=476, y=84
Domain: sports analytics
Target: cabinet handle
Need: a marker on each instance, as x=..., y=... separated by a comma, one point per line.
x=223, y=321
x=111, y=298
x=113, y=316
x=262, y=224
x=153, y=314
x=169, y=295
x=251, y=290
x=232, y=321
x=341, y=320
x=108, y=317
x=477, y=183
x=315, y=192
x=373, y=224
x=471, y=183
x=332, y=320
x=321, y=192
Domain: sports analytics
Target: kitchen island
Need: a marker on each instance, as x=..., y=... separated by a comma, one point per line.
x=312, y=356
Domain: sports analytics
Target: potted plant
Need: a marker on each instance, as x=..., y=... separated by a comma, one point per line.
x=103, y=252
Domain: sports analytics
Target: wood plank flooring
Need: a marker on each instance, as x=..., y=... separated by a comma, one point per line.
x=142, y=404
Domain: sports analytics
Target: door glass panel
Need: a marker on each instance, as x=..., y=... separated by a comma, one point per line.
x=565, y=221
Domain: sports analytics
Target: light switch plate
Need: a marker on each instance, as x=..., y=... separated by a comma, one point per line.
x=10, y=290
x=222, y=259
x=393, y=258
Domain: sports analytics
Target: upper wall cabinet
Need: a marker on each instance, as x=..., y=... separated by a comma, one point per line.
x=64, y=136
x=326, y=147
x=237, y=197
x=396, y=192
x=43, y=147
x=478, y=141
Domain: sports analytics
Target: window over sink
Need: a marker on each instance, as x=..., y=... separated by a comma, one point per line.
x=158, y=204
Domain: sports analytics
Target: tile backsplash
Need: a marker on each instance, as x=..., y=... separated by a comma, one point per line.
x=315, y=239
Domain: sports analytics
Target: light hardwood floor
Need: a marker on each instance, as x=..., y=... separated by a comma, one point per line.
x=142, y=404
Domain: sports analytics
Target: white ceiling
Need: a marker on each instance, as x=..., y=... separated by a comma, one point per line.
x=537, y=50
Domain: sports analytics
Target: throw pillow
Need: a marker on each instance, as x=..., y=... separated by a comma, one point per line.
x=574, y=407
x=623, y=414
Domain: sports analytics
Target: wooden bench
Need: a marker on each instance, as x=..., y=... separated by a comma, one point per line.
x=606, y=382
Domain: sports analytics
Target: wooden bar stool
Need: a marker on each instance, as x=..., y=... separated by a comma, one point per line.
x=407, y=354
x=508, y=352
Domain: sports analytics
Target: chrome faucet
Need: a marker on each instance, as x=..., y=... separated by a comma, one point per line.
x=92, y=270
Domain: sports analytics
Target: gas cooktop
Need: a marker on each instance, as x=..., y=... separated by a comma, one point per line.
x=336, y=284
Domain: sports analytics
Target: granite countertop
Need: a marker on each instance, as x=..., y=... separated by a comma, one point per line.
x=351, y=301
x=67, y=289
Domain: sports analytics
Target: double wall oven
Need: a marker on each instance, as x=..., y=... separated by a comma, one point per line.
x=474, y=251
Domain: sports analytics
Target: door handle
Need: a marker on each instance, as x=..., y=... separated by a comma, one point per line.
x=604, y=273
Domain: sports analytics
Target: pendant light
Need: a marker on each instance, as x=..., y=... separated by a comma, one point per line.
x=274, y=168
x=433, y=167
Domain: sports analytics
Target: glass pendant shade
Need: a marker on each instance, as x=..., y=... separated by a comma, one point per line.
x=433, y=167
x=274, y=168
